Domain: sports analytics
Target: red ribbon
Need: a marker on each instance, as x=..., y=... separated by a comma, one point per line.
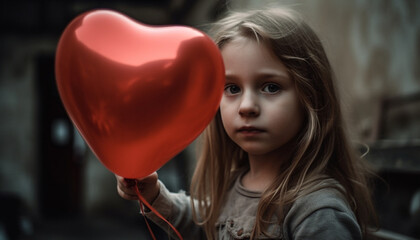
x=143, y=202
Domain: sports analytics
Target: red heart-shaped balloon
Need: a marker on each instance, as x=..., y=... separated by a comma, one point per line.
x=137, y=94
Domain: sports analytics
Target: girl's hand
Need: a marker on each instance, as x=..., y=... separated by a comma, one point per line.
x=149, y=187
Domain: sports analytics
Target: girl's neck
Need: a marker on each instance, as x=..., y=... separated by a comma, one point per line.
x=263, y=170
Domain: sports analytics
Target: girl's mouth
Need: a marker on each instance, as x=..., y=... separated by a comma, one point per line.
x=250, y=130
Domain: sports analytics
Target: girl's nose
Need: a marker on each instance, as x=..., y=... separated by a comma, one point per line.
x=249, y=106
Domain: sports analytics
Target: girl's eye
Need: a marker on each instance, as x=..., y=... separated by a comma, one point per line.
x=232, y=89
x=271, y=88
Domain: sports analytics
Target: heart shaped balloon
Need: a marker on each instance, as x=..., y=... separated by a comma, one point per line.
x=137, y=94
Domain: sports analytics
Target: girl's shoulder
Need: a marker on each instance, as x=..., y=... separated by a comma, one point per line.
x=324, y=212
x=329, y=194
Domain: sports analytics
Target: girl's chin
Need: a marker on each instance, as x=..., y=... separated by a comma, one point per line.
x=255, y=150
x=261, y=150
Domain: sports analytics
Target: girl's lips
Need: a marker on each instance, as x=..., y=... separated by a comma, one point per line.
x=250, y=130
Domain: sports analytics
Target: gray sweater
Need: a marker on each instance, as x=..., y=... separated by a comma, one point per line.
x=323, y=214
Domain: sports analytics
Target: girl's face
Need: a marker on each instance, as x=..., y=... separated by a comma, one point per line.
x=260, y=109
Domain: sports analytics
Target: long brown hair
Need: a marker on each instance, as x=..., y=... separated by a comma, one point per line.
x=322, y=149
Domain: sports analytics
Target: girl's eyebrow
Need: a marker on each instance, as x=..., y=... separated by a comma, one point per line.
x=279, y=77
x=272, y=74
x=230, y=76
x=261, y=75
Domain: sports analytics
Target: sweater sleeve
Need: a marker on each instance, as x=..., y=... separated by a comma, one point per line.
x=176, y=208
x=323, y=214
x=328, y=223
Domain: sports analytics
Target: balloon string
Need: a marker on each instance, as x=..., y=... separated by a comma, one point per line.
x=147, y=222
x=142, y=202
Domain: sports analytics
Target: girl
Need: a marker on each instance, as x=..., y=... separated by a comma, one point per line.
x=275, y=161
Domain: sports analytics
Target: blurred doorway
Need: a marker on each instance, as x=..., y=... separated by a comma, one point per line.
x=60, y=165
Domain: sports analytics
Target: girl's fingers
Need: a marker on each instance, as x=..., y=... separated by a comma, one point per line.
x=127, y=191
x=127, y=188
x=129, y=182
x=125, y=181
x=126, y=195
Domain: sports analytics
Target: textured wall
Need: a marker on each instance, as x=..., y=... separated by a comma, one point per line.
x=374, y=47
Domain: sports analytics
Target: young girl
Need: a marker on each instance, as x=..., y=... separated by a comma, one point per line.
x=275, y=161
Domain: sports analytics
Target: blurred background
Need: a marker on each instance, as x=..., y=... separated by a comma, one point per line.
x=53, y=187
